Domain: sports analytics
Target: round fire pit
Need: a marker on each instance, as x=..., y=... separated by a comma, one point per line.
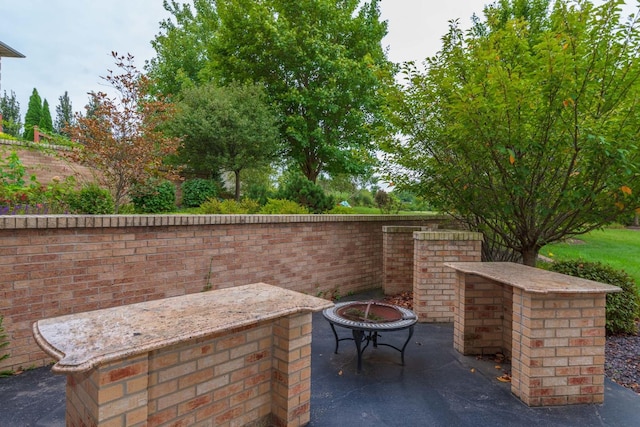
x=366, y=319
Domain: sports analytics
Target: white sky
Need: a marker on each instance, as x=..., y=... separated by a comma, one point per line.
x=68, y=43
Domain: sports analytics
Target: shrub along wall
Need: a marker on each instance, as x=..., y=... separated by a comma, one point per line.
x=55, y=265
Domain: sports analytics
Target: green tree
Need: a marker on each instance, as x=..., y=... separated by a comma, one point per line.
x=46, y=124
x=321, y=63
x=525, y=127
x=122, y=137
x=182, y=47
x=10, y=110
x=227, y=128
x=64, y=115
x=34, y=113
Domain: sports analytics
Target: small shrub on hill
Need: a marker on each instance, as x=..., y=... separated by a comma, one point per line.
x=623, y=308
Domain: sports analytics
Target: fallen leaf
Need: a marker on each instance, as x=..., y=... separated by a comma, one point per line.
x=506, y=378
x=473, y=370
x=498, y=367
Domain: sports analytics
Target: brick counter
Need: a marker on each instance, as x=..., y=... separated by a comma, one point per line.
x=551, y=325
x=239, y=356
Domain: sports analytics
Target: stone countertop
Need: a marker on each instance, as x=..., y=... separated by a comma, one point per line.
x=82, y=341
x=531, y=279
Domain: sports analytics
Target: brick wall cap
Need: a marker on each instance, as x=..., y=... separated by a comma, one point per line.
x=407, y=228
x=447, y=235
x=10, y=222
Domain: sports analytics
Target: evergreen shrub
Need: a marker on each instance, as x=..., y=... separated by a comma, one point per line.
x=306, y=193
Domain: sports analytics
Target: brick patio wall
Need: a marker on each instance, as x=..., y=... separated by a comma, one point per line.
x=397, y=264
x=55, y=265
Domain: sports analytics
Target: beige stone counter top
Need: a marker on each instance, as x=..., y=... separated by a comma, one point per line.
x=531, y=279
x=82, y=341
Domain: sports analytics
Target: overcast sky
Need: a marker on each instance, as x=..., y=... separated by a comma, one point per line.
x=68, y=43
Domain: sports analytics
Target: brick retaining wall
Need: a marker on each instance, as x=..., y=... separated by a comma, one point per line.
x=55, y=265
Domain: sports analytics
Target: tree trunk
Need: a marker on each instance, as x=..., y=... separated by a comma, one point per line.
x=530, y=256
x=237, y=174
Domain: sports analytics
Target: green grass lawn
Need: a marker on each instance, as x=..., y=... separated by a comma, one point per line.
x=619, y=248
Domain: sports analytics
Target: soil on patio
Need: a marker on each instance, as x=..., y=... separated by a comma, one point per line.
x=622, y=352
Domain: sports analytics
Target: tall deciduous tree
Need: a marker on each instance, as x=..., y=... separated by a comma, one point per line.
x=321, y=63
x=64, y=115
x=229, y=128
x=122, y=137
x=526, y=126
x=183, y=46
x=34, y=113
x=46, y=124
x=10, y=110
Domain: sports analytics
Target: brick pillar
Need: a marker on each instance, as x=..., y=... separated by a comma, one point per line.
x=291, y=385
x=397, y=262
x=433, y=283
x=110, y=395
x=559, y=359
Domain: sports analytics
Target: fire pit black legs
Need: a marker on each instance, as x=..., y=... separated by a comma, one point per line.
x=368, y=330
x=360, y=336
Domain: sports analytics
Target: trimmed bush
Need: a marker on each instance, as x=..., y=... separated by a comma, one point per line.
x=197, y=191
x=228, y=207
x=92, y=200
x=283, y=207
x=623, y=308
x=154, y=197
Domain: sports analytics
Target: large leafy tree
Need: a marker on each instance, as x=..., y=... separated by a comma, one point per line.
x=183, y=46
x=122, y=136
x=64, y=115
x=34, y=113
x=229, y=128
x=10, y=110
x=321, y=63
x=526, y=126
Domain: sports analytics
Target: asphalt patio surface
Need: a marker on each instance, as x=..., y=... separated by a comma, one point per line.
x=436, y=387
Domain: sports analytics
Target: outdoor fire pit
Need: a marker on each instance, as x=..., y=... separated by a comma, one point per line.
x=366, y=319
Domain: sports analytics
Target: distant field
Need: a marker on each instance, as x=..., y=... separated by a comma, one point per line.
x=619, y=248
